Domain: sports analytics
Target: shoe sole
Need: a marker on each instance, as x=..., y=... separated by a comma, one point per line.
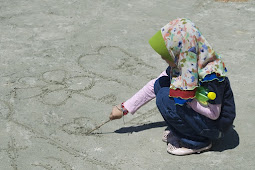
x=204, y=149
x=164, y=140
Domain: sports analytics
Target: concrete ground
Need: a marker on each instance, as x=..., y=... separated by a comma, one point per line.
x=64, y=64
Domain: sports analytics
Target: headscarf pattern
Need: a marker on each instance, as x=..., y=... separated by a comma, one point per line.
x=193, y=56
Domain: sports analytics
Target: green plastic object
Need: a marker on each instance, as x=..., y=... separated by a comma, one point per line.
x=203, y=95
x=158, y=44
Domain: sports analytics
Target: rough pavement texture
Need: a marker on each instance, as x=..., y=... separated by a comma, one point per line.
x=64, y=64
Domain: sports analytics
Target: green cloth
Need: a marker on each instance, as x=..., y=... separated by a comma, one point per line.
x=158, y=44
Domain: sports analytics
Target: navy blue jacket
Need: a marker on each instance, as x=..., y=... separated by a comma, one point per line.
x=225, y=97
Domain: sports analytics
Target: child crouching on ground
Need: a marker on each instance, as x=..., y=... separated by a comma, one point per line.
x=192, y=63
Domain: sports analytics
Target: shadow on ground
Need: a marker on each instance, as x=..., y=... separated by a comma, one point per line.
x=229, y=141
x=139, y=128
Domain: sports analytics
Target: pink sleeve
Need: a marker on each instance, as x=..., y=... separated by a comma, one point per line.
x=142, y=97
x=211, y=111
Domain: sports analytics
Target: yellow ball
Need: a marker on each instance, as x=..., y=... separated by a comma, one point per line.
x=211, y=95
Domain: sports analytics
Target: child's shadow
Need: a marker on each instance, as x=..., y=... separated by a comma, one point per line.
x=229, y=141
x=139, y=128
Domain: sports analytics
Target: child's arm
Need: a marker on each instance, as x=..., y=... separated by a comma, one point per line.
x=211, y=111
x=143, y=96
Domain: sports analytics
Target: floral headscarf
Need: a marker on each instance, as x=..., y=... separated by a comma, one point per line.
x=194, y=57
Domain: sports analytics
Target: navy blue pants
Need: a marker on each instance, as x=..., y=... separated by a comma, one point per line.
x=194, y=130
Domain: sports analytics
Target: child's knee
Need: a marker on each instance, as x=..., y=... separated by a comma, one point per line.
x=156, y=87
x=162, y=95
x=161, y=82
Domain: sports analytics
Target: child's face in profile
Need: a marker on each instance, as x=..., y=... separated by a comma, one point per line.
x=171, y=63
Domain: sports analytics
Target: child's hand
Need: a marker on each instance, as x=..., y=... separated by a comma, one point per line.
x=116, y=113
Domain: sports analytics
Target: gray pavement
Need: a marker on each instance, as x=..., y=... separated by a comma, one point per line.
x=64, y=64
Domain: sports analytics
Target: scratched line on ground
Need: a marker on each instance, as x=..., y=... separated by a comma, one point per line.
x=54, y=88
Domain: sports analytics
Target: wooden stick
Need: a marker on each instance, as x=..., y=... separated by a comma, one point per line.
x=98, y=127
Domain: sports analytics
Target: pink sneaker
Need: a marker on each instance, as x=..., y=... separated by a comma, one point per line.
x=167, y=136
x=176, y=149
